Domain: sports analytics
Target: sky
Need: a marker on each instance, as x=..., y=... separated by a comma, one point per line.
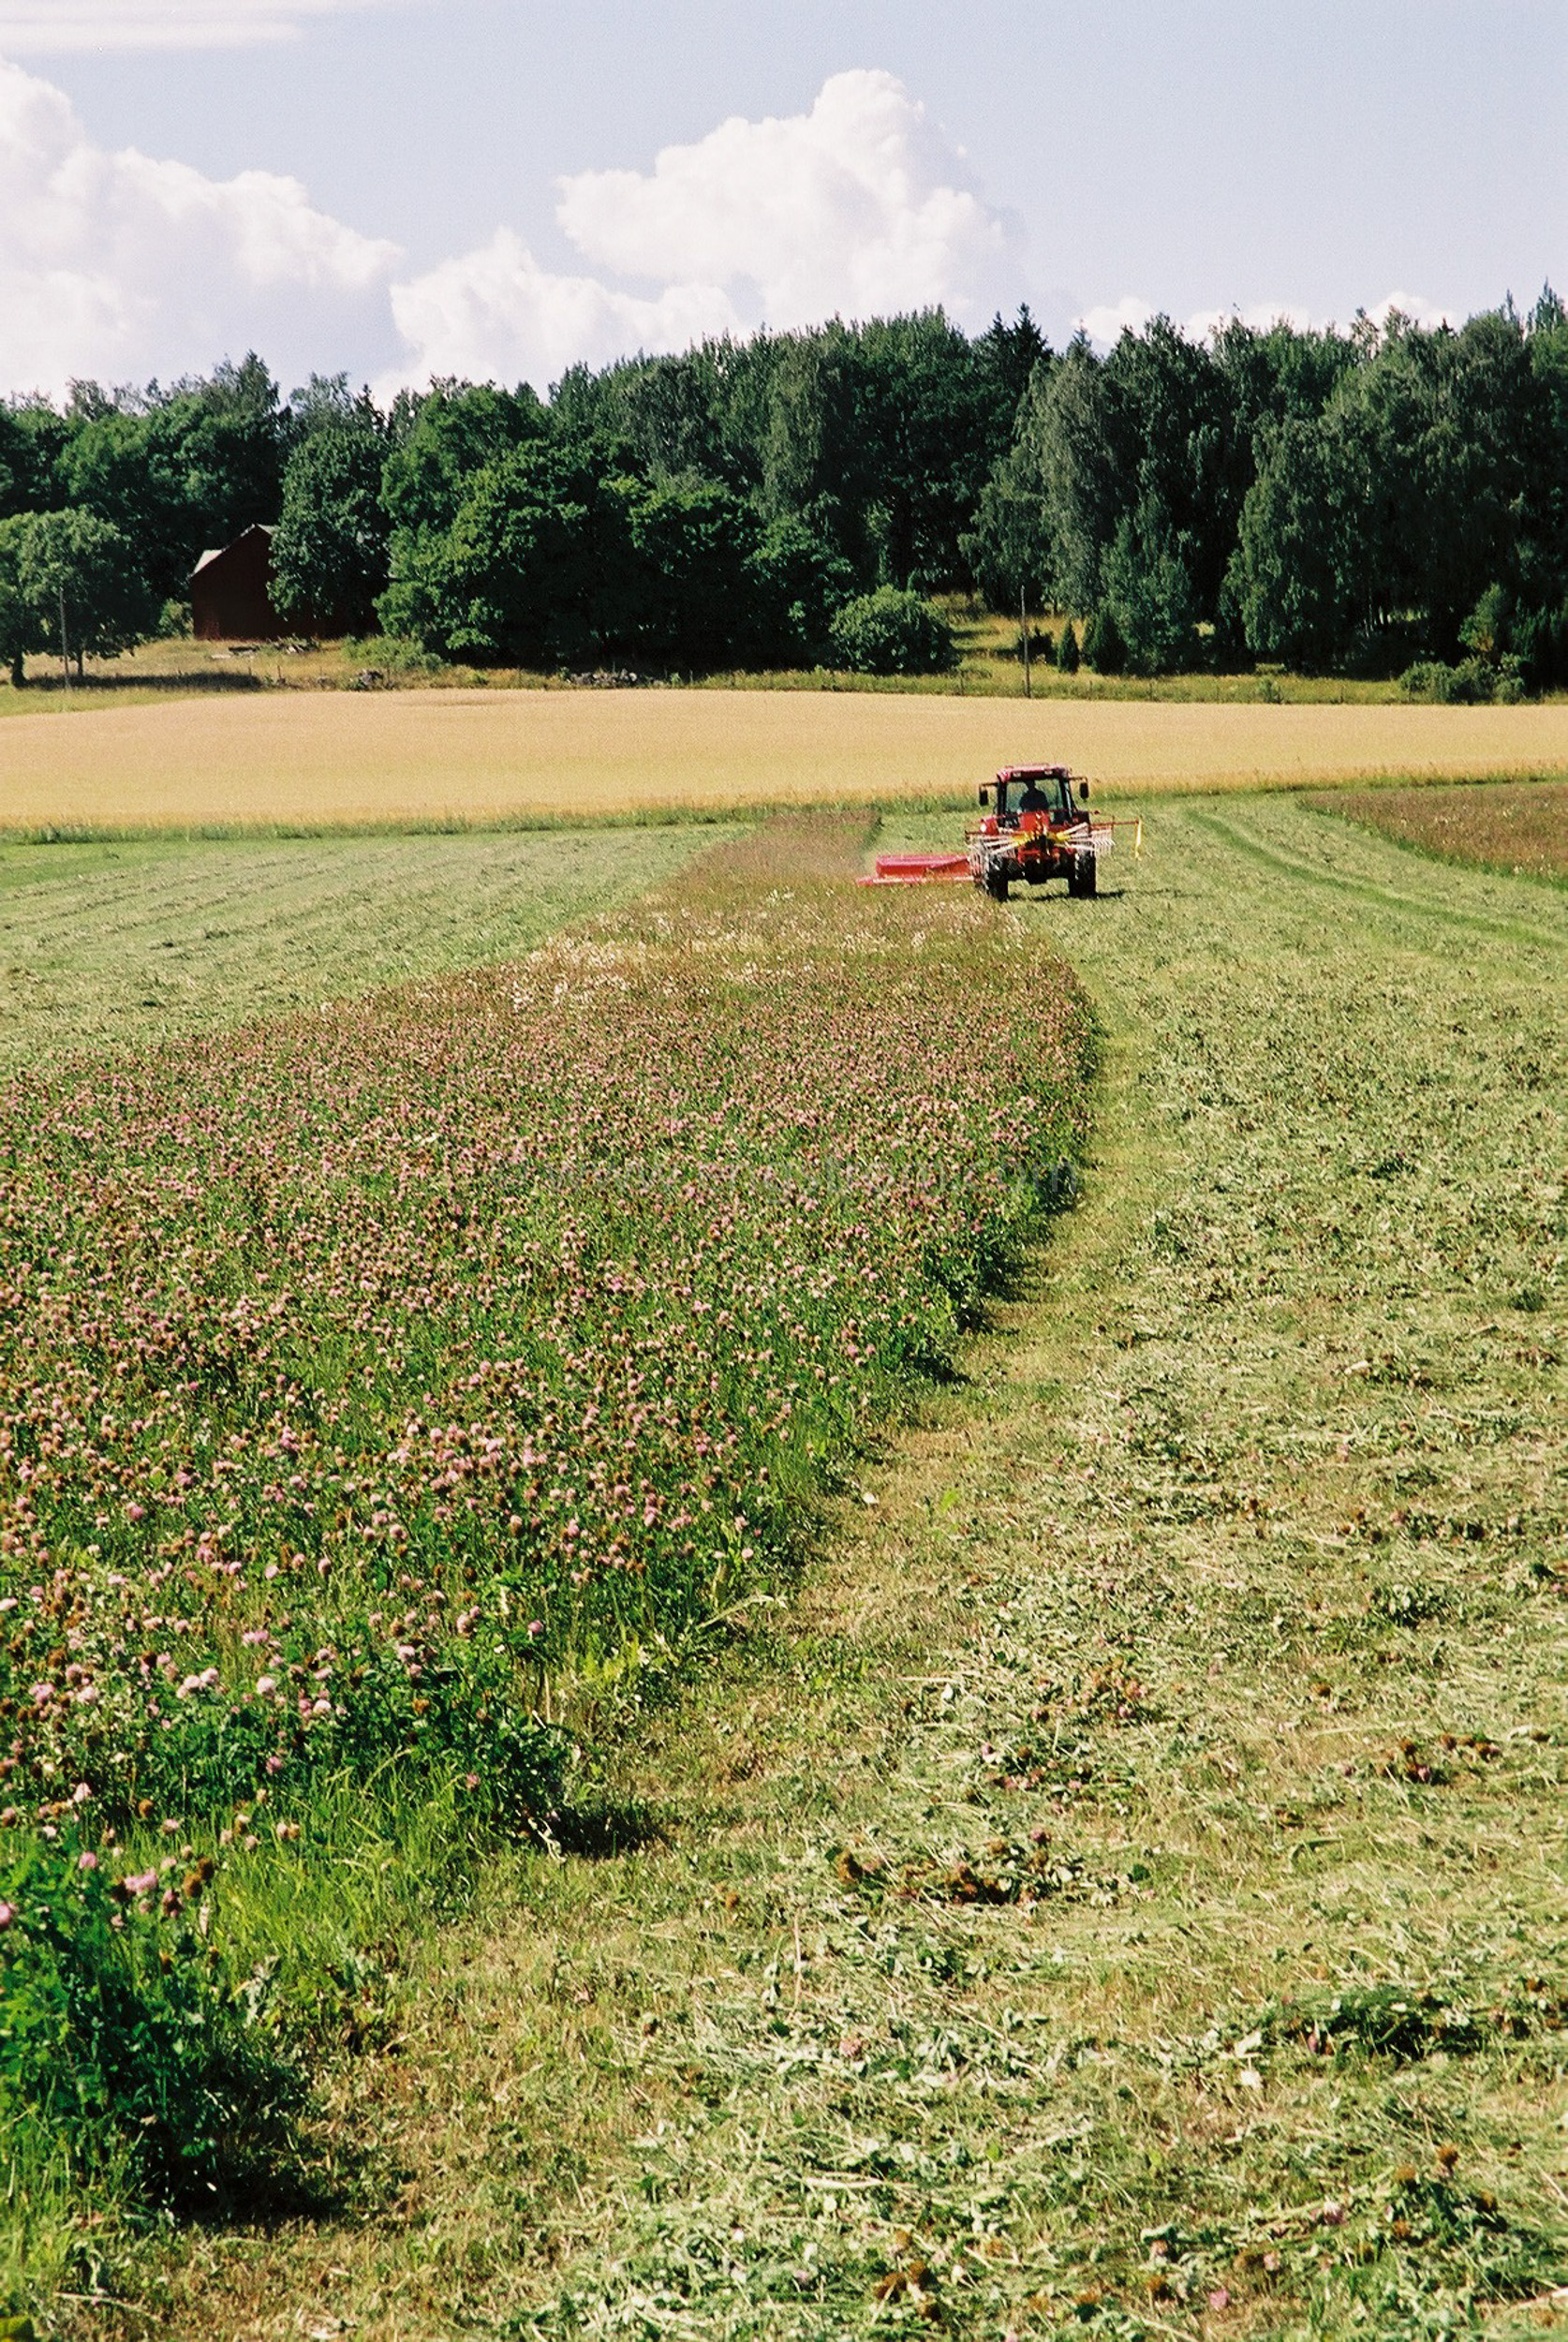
x=497, y=188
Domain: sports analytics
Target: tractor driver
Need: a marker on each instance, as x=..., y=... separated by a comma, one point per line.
x=1034, y=799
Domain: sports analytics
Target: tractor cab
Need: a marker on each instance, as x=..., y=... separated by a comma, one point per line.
x=1034, y=797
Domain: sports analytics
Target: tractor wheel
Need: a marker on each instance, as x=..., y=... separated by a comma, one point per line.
x=1081, y=878
x=996, y=885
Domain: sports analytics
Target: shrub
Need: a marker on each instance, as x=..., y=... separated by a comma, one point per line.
x=1473, y=683
x=1067, y=650
x=1428, y=679
x=890, y=633
x=1487, y=632
x=1540, y=640
x=1104, y=648
x=391, y=654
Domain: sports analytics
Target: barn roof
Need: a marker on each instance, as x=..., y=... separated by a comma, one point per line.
x=215, y=553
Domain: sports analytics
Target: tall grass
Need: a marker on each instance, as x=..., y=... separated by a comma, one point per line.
x=1523, y=831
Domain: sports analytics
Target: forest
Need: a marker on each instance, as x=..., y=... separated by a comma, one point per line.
x=1389, y=498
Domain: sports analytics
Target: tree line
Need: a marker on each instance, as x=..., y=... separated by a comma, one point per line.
x=1335, y=501
x=1339, y=501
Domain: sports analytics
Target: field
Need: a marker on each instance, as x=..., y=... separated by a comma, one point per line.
x=117, y=945
x=1524, y=831
x=370, y=1379
x=1117, y=1888
x=1124, y=1893
x=316, y=761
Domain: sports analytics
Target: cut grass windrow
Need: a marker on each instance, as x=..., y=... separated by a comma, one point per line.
x=1127, y=1894
x=112, y=945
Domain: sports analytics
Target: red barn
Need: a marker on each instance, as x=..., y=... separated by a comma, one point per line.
x=228, y=597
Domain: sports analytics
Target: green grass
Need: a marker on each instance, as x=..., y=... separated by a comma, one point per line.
x=111, y=945
x=1237, y=1569
x=991, y=666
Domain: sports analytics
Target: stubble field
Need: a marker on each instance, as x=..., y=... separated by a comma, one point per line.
x=320, y=761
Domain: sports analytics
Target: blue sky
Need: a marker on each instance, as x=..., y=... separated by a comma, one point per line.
x=400, y=185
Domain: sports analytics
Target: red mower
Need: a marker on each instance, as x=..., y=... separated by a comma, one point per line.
x=1045, y=831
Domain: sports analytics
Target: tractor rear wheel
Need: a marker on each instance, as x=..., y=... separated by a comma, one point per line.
x=1081, y=878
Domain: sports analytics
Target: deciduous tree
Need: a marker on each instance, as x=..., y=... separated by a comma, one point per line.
x=71, y=571
x=330, y=547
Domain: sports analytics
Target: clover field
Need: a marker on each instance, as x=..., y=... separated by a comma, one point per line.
x=372, y=1379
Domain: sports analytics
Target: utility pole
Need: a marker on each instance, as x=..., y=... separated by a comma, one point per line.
x=1024, y=629
x=65, y=654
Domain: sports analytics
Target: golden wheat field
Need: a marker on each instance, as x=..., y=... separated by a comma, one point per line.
x=329, y=759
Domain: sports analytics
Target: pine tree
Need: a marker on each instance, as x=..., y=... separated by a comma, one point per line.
x=1067, y=650
x=1104, y=647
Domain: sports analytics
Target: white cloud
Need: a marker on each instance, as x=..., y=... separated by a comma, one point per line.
x=1261, y=315
x=1106, y=325
x=497, y=313
x=857, y=207
x=119, y=266
x=854, y=208
x=1112, y=319
x=52, y=27
x=1415, y=307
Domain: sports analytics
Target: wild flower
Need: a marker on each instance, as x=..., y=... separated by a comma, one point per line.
x=358, y=1370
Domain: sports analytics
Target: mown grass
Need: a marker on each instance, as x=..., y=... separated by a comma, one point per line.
x=320, y=761
x=1523, y=831
x=1125, y=1894
x=113, y=944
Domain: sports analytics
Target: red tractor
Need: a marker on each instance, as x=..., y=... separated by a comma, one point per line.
x=1047, y=832
x=1037, y=826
